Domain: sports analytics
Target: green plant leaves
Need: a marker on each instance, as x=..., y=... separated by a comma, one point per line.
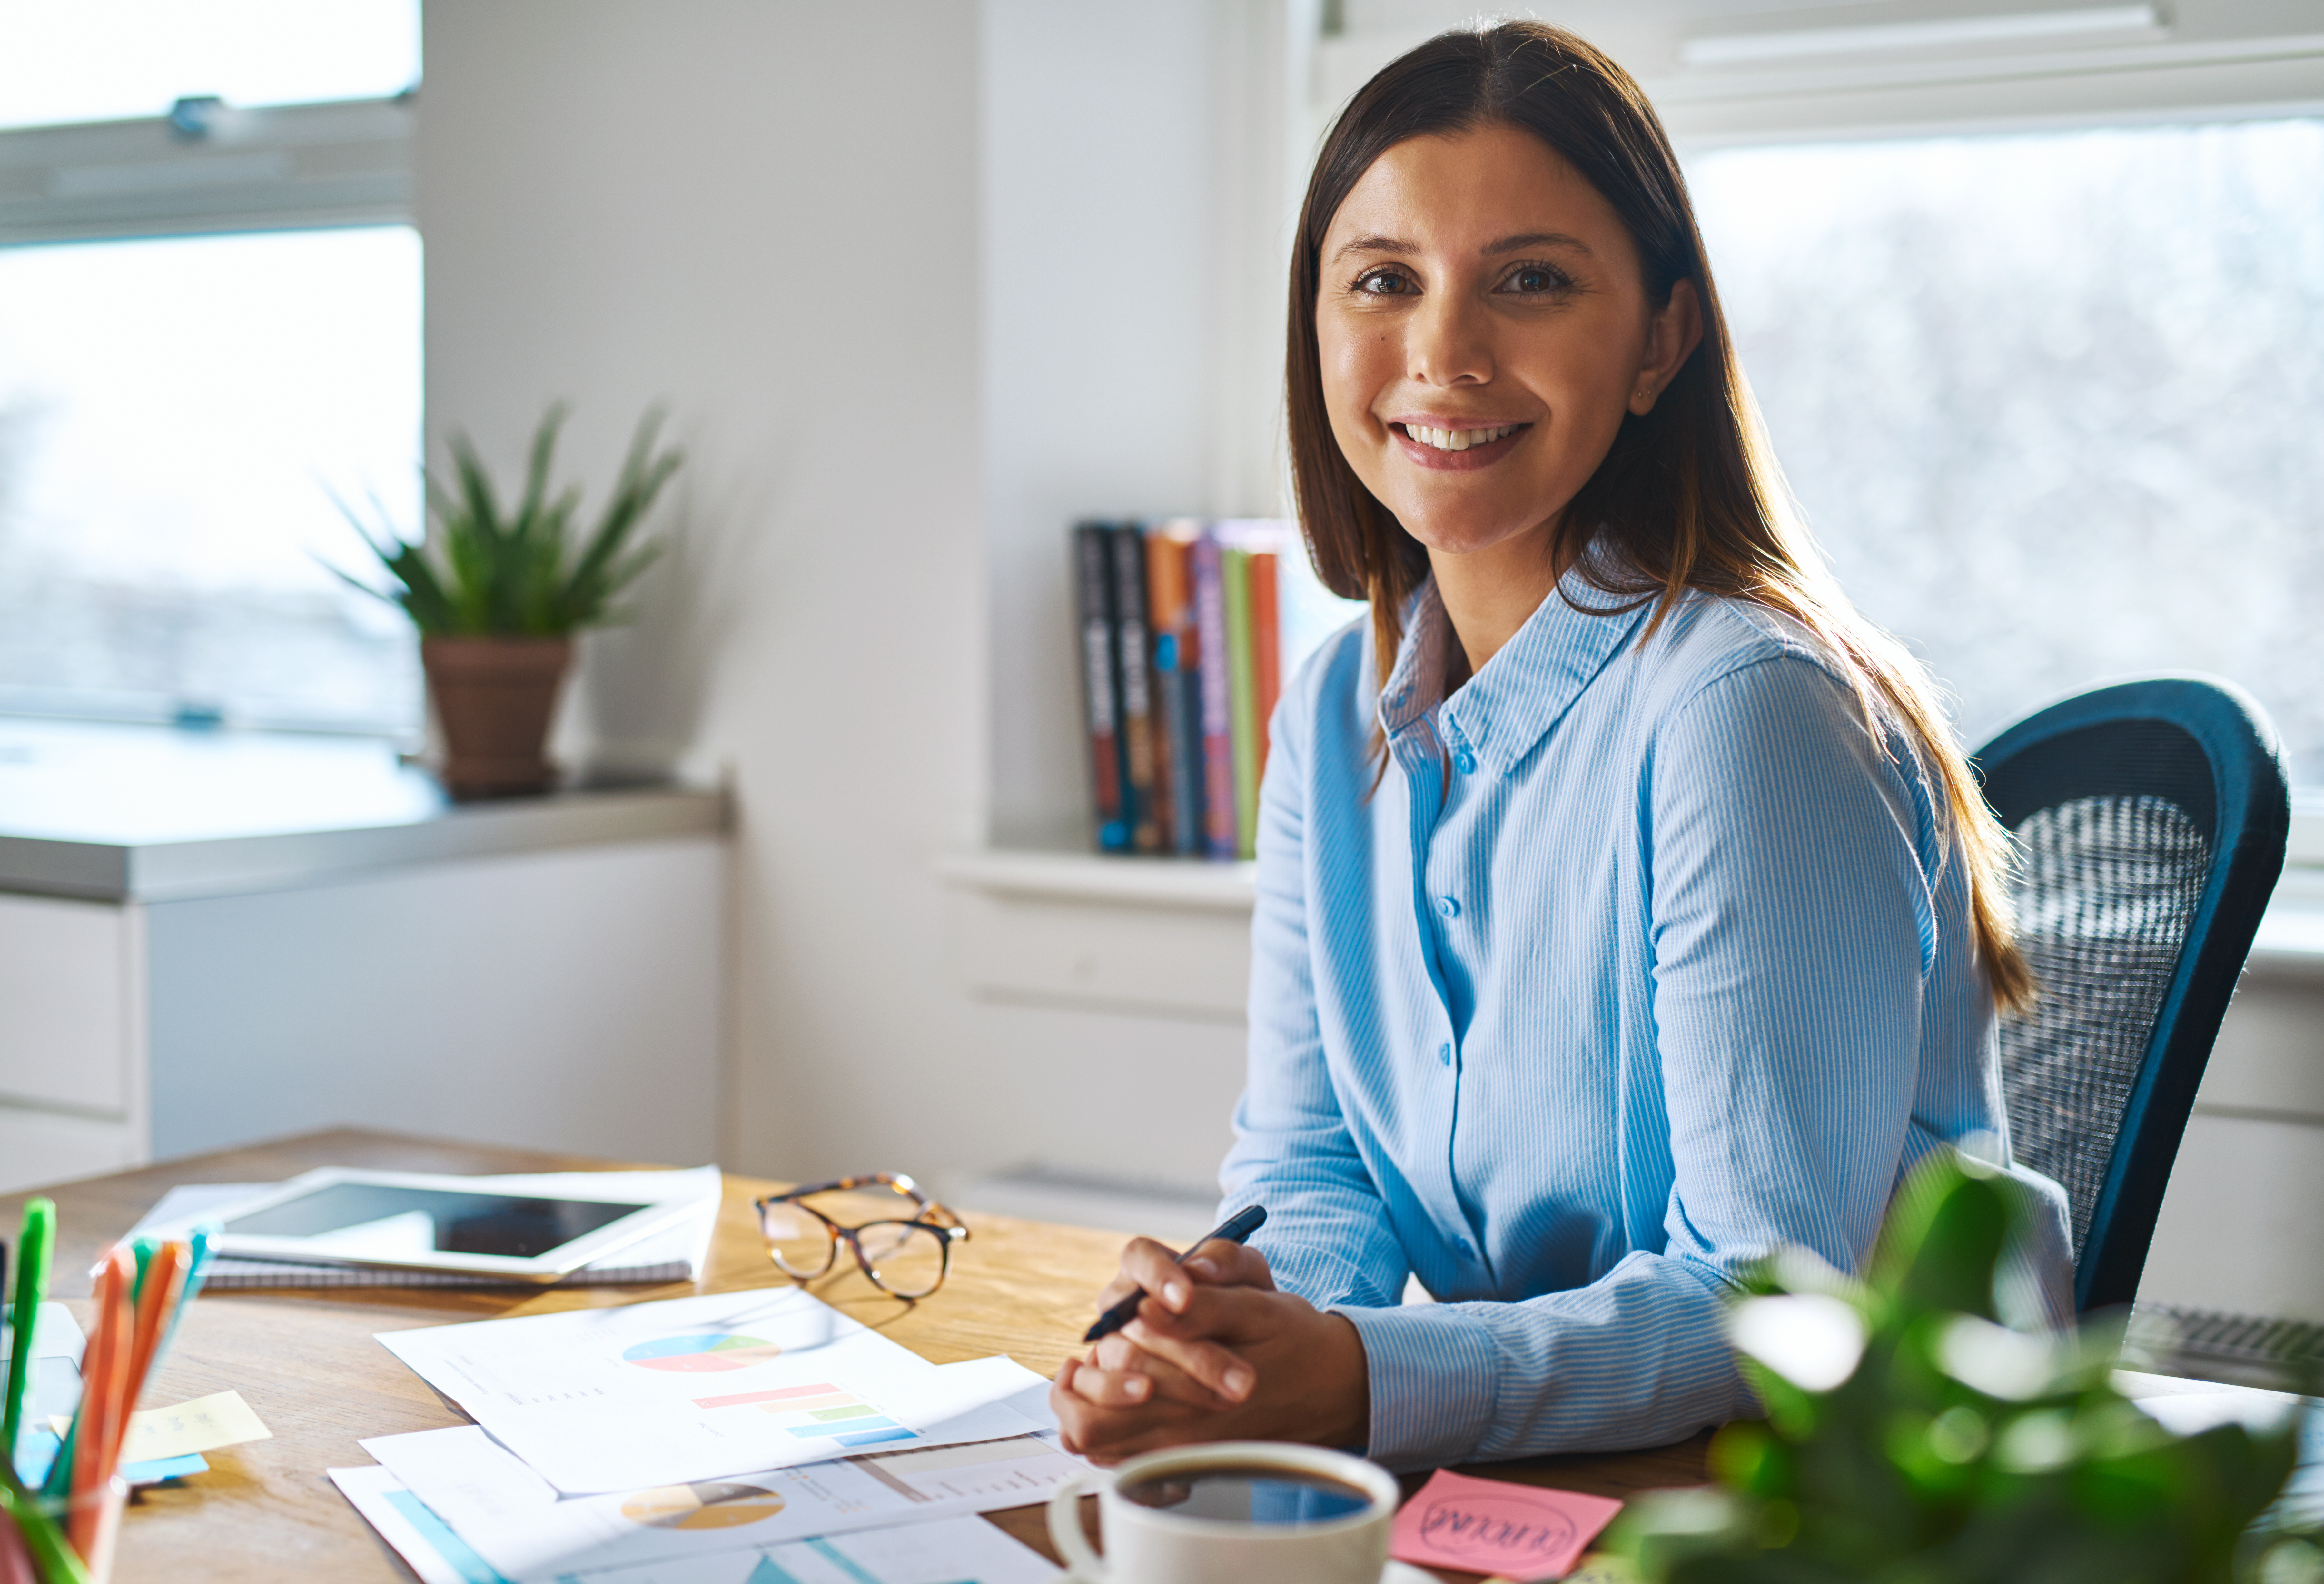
x=485, y=570
x=1947, y=1448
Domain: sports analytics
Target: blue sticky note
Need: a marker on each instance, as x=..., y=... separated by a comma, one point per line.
x=153, y=1470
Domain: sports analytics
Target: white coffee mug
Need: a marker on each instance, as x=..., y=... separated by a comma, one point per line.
x=1156, y=1546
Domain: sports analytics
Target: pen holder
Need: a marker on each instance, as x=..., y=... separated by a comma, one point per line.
x=98, y=1513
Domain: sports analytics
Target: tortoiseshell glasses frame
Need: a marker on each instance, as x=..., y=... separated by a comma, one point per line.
x=907, y=1257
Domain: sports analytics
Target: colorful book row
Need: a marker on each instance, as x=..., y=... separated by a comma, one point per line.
x=1181, y=658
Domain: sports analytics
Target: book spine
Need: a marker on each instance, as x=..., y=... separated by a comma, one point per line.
x=1242, y=699
x=1219, y=835
x=1138, y=711
x=1101, y=697
x=1266, y=648
x=1165, y=610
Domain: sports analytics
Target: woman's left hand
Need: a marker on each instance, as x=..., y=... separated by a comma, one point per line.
x=1233, y=1359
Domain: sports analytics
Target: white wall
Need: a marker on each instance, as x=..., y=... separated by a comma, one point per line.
x=1134, y=175
x=766, y=214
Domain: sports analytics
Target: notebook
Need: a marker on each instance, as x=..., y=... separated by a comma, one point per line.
x=675, y=1255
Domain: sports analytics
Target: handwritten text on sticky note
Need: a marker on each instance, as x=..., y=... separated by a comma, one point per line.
x=220, y=1420
x=1491, y=1527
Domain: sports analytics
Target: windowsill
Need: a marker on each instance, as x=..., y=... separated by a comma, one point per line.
x=1064, y=875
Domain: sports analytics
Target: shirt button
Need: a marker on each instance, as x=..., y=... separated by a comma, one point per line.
x=1444, y=1054
x=1464, y=761
x=1449, y=906
x=1464, y=1249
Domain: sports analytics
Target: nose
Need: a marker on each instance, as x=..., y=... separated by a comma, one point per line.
x=1447, y=342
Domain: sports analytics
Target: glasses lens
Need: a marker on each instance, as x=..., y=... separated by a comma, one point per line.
x=801, y=1243
x=907, y=1259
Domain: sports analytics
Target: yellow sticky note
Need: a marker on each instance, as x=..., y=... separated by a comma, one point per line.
x=219, y=1419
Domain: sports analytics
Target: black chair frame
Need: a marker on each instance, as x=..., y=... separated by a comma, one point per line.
x=2103, y=743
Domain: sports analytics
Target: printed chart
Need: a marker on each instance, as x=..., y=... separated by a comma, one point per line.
x=713, y=1504
x=702, y=1353
x=599, y=1401
x=819, y=1412
x=488, y=1496
x=945, y=1551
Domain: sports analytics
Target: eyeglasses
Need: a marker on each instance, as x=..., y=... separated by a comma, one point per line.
x=906, y=1258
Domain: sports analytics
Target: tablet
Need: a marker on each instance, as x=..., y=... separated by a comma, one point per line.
x=411, y=1220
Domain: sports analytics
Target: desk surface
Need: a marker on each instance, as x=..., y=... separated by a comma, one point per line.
x=307, y=1363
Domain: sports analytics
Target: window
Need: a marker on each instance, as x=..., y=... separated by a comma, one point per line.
x=209, y=327
x=118, y=59
x=2051, y=401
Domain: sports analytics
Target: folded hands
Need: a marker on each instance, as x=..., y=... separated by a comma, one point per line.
x=1216, y=1354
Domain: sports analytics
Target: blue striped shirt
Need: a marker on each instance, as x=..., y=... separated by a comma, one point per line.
x=1643, y=958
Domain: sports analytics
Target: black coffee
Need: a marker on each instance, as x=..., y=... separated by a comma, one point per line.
x=1250, y=1495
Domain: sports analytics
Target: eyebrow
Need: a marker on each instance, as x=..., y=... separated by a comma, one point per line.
x=1395, y=244
x=1536, y=239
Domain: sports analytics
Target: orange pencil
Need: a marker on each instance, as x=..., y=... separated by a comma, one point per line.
x=101, y=1386
x=157, y=1299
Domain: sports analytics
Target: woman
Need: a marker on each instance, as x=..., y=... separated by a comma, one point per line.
x=1624, y=908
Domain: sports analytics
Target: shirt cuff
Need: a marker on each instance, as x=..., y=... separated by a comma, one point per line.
x=1432, y=1375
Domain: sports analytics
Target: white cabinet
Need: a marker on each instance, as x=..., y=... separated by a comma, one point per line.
x=221, y=968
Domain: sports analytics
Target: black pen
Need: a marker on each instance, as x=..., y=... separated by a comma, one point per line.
x=1236, y=1228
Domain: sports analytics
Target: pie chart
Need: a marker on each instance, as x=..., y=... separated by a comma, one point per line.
x=702, y=1353
x=710, y=1505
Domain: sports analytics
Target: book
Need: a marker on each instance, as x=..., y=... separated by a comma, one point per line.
x=1241, y=697
x=1131, y=659
x=1220, y=833
x=1100, y=698
x=1266, y=648
x=1177, y=724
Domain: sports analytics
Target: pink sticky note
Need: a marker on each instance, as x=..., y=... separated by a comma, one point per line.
x=1491, y=1527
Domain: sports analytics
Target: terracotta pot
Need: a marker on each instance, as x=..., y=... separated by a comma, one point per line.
x=494, y=698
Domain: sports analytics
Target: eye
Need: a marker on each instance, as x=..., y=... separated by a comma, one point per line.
x=1534, y=280
x=1385, y=281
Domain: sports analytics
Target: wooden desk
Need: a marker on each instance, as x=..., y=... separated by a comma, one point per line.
x=307, y=1363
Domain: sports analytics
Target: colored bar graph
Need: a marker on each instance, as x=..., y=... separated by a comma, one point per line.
x=819, y=1431
x=786, y=1395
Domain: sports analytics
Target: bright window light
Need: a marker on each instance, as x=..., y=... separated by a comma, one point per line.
x=2052, y=402
x=175, y=418
x=110, y=60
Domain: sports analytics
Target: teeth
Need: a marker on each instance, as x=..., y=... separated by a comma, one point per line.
x=1458, y=439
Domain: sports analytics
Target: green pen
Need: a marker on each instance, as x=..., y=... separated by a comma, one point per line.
x=31, y=1287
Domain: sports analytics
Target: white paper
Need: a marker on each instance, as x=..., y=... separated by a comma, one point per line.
x=421, y=1538
x=464, y=1476
x=602, y=1400
x=688, y=1242
x=945, y=1550
x=713, y=1517
x=949, y=1551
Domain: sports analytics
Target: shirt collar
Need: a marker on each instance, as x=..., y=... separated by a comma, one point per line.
x=1529, y=684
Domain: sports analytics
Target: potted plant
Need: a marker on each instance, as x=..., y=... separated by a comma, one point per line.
x=1911, y=1438
x=497, y=596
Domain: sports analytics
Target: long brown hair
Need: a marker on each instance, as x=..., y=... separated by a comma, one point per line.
x=1690, y=496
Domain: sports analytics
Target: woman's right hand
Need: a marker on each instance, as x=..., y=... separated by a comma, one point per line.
x=1119, y=1374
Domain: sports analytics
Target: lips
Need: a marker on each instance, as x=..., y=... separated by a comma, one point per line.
x=1448, y=449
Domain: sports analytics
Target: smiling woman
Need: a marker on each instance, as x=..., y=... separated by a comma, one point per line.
x=1624, y=911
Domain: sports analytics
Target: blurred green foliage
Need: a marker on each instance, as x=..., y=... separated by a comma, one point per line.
x=487, y=570
x=1912, y=1438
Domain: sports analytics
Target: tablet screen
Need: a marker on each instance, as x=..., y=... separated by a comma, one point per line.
x=379, y=1221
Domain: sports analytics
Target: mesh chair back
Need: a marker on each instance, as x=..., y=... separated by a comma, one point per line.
x=2152, y=818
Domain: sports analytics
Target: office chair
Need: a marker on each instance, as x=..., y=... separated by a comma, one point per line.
x=2152, y=818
